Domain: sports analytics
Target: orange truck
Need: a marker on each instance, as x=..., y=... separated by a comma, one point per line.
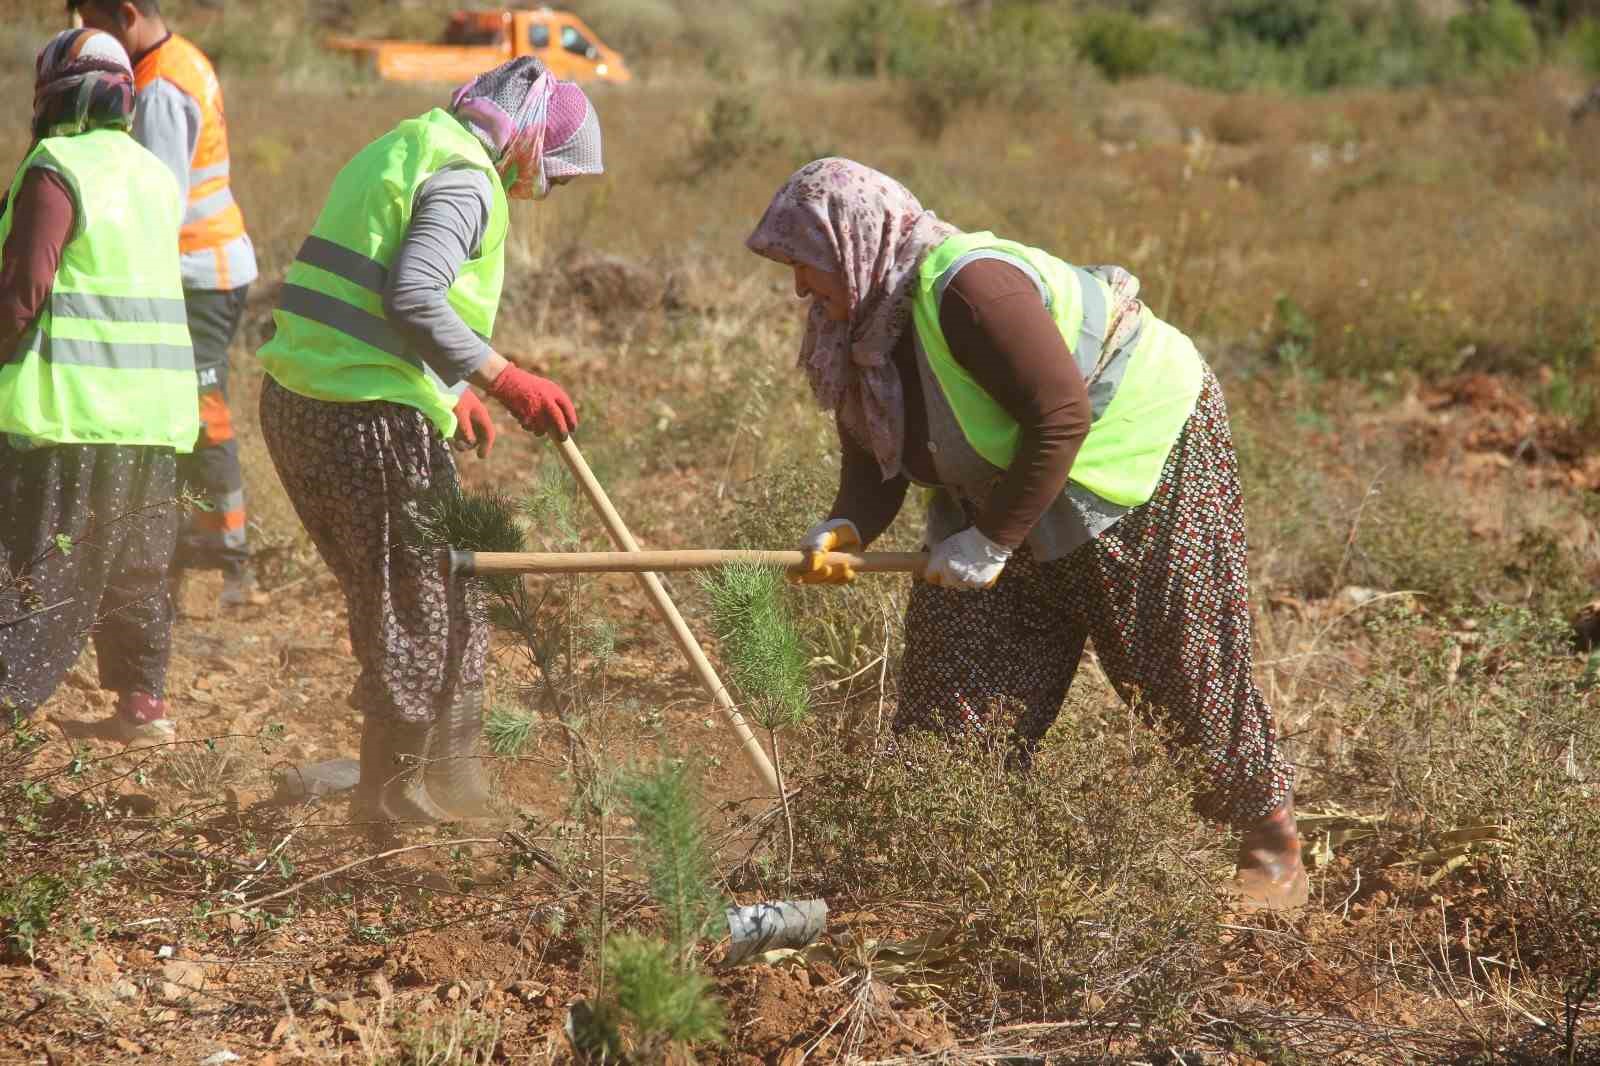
x=476, y=41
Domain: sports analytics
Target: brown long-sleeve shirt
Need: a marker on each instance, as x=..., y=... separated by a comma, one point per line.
x=42, y=220
x=1000, y=332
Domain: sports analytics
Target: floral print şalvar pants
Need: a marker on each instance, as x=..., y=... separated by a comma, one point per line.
x=355, y=473
x=1163, y=593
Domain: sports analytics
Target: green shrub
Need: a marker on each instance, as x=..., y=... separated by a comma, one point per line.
x=897, y=38
x=28, y=909
x=1335, y=53
x=732, y=131
x=1277, y=22
x=1496, y=36
x=1118, y=44
x=1085, y=880
x=1583, y=44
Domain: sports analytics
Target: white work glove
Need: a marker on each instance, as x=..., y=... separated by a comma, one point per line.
x=829, y=535
x=966, y=560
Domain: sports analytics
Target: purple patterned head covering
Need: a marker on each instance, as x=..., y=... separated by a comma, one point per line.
x=847, y=219
x=538, y=127
x=82, y=81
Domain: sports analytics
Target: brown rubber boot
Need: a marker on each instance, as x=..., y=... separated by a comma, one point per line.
x=456, y=778
x=392, y=787
x=1271, y=874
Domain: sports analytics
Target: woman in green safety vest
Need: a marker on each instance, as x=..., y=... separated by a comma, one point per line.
x=96, y=394
x=384, y=320
x=1086, y=486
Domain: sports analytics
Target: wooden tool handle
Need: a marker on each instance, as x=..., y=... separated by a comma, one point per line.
x=669, y=614
x=628, y=562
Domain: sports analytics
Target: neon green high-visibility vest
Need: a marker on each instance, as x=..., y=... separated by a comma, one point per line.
x=332, y=341
x=109, y=360
x=1140, y=403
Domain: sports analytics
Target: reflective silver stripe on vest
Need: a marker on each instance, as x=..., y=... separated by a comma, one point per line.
x=205, y=174
x=203, y=208
x=1092, y=334
x=347, y=263
x=348, y=319
x=1111, y=367
x=121, y=355
x=118, y=308
x=352, y=266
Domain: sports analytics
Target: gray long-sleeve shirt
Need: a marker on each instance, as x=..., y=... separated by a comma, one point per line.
x=448, y=223
x=167, y=121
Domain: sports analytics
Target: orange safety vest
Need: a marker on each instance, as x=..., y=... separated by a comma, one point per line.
x=212, y=219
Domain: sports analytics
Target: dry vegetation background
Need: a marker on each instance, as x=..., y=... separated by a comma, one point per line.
x=1396, y=285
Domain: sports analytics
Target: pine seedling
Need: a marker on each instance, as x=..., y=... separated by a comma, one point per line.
x=552, y=506
x=761, y=643
x=478, y=521
x=674, y=854
x=651, y=985
x=474, y=520
x=767, y=657
x=664, y=1002
x=508, y=731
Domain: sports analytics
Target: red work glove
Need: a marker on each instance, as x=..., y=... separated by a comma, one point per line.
x=474, y=428
x=538, y=403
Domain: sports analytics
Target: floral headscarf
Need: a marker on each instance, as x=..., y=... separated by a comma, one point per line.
x=847, y=219
x=539, y=128
x=82, y=81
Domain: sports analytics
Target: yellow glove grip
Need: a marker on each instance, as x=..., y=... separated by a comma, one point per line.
x=815, y=572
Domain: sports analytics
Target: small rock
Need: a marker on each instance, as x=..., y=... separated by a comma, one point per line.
x=1357, y=595
x=103, y=968
x=221, y=1057
x=124, y=1044
x=527, y=991
x=190, y=975
x=317, y=779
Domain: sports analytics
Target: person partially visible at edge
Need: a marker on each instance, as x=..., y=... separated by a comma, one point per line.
x=96, y=394
x=180, y=118
x=1086, y=486
x=384, y=320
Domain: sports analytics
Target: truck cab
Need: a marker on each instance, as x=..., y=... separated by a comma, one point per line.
x=570, y=49
x=476, y=41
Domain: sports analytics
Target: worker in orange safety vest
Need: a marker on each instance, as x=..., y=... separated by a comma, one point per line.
x=179, y=117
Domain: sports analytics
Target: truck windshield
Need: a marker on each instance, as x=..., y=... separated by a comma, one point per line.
x=577, y=43
x=539, y=35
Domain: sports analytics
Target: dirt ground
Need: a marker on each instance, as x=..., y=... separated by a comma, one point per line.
x=441, y=949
